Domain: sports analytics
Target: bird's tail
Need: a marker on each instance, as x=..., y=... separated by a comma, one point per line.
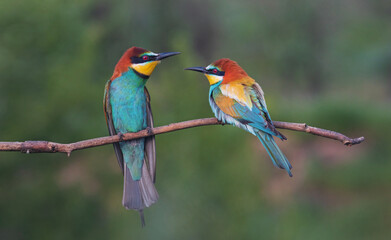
x=278, y=158
x=139, y=194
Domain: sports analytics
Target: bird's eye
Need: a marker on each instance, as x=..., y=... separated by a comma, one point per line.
x=145, y=57
x=214, y=71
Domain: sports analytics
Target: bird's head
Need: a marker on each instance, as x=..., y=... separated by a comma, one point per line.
x=142, y=61
x=223, y=70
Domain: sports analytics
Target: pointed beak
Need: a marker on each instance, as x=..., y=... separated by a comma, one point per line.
x=166, y=55
x=197, y=69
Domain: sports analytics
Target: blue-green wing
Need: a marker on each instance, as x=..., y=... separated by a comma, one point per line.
x=253, y=117
x=258, y=100
x=150, y=146
x=257, y=117
x=110, y=125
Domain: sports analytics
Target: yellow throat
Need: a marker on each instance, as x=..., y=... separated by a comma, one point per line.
x=213, y=79
x=145, y=68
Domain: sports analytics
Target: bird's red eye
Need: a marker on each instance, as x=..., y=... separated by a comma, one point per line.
x=145, y=57
x=214, y=70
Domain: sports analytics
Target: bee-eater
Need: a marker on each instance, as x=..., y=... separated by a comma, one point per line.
x=127, y=108
x=235, y=98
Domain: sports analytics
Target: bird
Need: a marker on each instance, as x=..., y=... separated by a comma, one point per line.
x=237, y=99
x=127, y=108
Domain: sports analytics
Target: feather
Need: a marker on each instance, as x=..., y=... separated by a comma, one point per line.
x=278, y=158
x=256, y=120
x=259, y=99
x=139, y=194
x=137, y=157
x=150, y=145
x=110, y=125
x=236, y=91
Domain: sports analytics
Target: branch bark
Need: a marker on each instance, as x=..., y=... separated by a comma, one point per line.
x=52, y=147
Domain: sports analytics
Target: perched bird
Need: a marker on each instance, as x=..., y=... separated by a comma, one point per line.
x=235, y=98
x=127, y=108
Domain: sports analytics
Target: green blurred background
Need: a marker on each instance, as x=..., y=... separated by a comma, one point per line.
x=326, y=63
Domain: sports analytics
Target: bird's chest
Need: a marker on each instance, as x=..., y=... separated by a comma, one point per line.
x=220, y=102
x=128, y=105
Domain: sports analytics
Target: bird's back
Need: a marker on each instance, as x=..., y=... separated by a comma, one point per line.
x=242, y=104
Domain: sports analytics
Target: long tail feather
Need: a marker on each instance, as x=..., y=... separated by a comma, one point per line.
x=142, y=218
x=139, y=194
x=278, y=158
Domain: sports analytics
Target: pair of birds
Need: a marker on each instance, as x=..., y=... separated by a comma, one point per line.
x=235, y=98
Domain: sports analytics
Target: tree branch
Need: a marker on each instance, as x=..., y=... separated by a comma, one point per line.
x=52, y=147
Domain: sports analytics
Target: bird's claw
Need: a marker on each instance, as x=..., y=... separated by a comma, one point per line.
x=149, y=130
x=121, y=136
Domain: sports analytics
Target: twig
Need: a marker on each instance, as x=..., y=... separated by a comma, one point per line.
x=52, y=147
x=303, y=127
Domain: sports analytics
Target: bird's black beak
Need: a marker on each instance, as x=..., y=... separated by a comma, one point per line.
x=197, y=69
x=166, y=55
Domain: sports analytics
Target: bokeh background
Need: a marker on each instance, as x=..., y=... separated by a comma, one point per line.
x=326, y=63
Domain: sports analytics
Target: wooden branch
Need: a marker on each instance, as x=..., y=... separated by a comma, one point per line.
x=52, y=147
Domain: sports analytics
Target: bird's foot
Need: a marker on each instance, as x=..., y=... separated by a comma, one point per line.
x=121, y=136
x=149, y=130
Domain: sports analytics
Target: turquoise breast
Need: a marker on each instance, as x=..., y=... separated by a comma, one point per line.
x=128, y=103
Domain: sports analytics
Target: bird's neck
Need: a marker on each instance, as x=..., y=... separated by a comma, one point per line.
x=131, y=79
x=213, y=87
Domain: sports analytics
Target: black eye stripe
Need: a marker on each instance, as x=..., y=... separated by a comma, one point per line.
x=141, y=60
x=218, y=73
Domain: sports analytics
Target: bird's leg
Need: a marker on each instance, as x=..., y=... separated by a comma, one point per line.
x=220, y=122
